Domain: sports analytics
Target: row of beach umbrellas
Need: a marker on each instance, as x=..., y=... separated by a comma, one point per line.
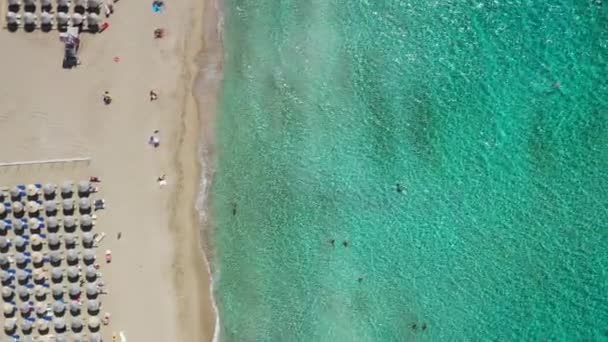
x=53, y=241
x=85, y=221
x=72, y=257
x=90, y=4
x=57, y=291
x=45, y=18
x=56, y=273
x=49, y=207
x=59, y=324
x=50, y=190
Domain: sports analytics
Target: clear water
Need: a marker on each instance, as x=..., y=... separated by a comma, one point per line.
x=493, y=118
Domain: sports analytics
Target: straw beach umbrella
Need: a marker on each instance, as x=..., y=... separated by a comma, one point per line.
x=77, y=19
x=32, y=207
x=91, y=290
x=84, y=188
x=62, y=20
x=67, y=205
x=93, y=4
x=76, y=324
x=26, y=326
x=17, y=207
x=19, y=242
x=55, y=257
x=77, y=337
x=9, y=309
x=40, y=308
x=91, y=274
x=7, y=293
x=59, y=325
x=18, y=226
x=72, y=257
x=50, y=207
x=23, y=293
x=10, y=325
x=15, y=193
x=22, y=276
x=72, y=273
x=57, y=290
x=4, y=227
x=43, y=326
x=2, y=210
x=25, y=308
x=53, y=240
x=86, y=221
x=36, y=240
x=69, y=222
x=37, y=259
x=63, y=2
x=57, y=274
x=67, y=188
x=88, y=256
x=4, y=262
x=11, y=18
x=52, y=224
x=93, y=307
x=84, y=204
x=95, y=337
x=40, y=293
x=3, y=242
x=33, y=223
x=6, y=277
x=87, y=239
x=31, y=190
x=21, y=260
x=74, y=308
x=94, y=323
x=93, y=20
x=39, y=275
x=74, y=290
x=58, y=308
x=69, y=239
x=49, y=190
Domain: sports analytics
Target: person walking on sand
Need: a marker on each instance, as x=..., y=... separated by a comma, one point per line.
x=153, y=95
x=162, y=180
x=107, y=99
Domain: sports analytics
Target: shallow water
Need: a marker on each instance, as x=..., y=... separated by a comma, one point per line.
x=491, y=115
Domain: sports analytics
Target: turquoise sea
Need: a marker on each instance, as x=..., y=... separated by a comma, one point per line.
x=459, y=148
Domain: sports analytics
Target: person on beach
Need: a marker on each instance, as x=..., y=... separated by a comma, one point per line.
x=94, y=179
x=107, y=99
x=162, y=180
x=108, y=256
x=153, y=95
x=159, y=33
x=154, y=139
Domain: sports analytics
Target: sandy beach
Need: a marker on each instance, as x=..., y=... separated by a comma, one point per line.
x=158, y=279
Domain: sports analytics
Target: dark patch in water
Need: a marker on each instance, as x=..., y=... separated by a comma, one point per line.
x=422, y=125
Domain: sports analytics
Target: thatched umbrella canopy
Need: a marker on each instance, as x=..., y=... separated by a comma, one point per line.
x=58, y=307
x=25, y=326
x=77, y=19
x=15, y=192
x=35, y=240
x=39, y=275
x=50, y=207
x=21, y=259
x=52, y=222
x=88, y=255
x=40, y=308
x=49, y=189
x=7, y=292
x=4, y=260
x=69, y=239
x=32, y=207
x=6, y=276
x=17, y=207
x=23, y=293
x=74, y=290
x=86, y=221
x=63, y=2
x=74, y=308
x=40, y=292
x=87, y=238
x=31, y=190
x=62, y=337
x=25, y=308
x=67, y=188
x=91, y=274
x=62, y=19
x=37, y=258
x=94, y=322
x=2, y=209
x=93, y=19
x=55, y=256
x=76, y=323
x=77, y=337
x=11, y=18
x=91, y=290
x=93, y=306
x=57, y=273
x=9, y=309
x=69, y=222
x=21, y=275
x=3, y=242
x=19, y=242
x=10, y=324
x=57, y=290
x=72, y=256
x=84, y=204
x=43, y=326
x=92, y=4
x=67, y=204
x=53, y=240
x=72, y=273
x=33, y=223
x=84, y=187
x=3, y=225
x=18, y=225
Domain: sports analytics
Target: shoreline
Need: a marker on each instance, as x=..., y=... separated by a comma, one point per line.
x=196, y=138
